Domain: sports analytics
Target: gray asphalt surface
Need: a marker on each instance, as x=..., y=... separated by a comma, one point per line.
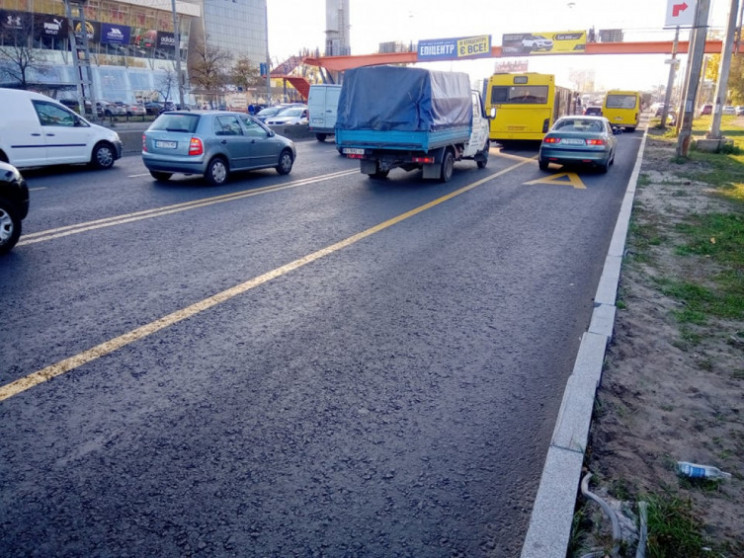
x=393, y=398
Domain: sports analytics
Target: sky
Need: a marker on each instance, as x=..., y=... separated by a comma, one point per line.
x=297, y=25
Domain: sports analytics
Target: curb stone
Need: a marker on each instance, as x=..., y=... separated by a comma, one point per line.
x=549, y=530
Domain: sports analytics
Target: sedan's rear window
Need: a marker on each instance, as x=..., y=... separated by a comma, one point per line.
x=182, y=122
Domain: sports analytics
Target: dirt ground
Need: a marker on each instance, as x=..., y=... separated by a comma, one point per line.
x=670, y=392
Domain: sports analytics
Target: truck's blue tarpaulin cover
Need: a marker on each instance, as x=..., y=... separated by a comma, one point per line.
x=405, y=99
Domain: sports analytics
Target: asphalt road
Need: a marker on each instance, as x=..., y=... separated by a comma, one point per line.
x=310, y=365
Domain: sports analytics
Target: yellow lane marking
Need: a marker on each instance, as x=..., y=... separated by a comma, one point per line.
x=562, y=179
x=40, y=376
x=67, y=230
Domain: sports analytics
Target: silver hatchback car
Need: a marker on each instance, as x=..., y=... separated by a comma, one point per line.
x=213, y=144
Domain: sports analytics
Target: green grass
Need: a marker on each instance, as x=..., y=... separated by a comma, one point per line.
x=719, y=236
x=673, y=529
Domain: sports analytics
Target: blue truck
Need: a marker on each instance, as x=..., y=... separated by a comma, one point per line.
x=410, y=118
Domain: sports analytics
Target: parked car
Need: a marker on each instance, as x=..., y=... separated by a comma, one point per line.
x=706, y=109
x=153, y=107
x=729, y=109
x=740, y=110
x=109, y=109
x=579, y=140
x=593, y=111
x=213, y=144
x=13, y=205
x=36, y=131
x=293, y=115
x=133, y=109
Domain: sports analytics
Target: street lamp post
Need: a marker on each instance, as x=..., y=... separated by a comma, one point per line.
x=177, y=52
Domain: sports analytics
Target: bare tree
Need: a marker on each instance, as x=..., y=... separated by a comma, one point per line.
x=16, y=56
x=210, y=70
x=166, y=84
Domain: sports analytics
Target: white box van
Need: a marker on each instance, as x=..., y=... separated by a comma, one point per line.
x=322, y=102
x=36, y=131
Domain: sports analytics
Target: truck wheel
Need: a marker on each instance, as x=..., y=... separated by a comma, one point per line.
x=483, y=156
x=448, y=165
x=320, y=137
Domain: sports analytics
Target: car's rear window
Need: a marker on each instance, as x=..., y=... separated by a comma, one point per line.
x=176, y=122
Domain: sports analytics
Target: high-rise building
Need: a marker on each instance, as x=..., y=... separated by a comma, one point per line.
x=337, y=28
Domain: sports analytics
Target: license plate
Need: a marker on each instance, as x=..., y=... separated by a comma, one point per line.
x=160, y=144
x=353, y=151
x=573, y=141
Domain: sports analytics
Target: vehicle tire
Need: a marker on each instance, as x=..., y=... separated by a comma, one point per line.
x=320, y=137
x=217, y=172
x=448, y=165
x=161, y=176
x=631, y=130
x=379, y=175
x=603, y=167
x=103, y=156
x=543, y=165
x=483, y=160
x=10, y=226
x=285, y=162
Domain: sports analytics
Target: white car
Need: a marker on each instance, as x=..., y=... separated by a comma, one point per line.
x=729, y=109
x=290, y=116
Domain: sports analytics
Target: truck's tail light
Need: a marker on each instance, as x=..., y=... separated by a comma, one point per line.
x=196, y=147
x=425, y=160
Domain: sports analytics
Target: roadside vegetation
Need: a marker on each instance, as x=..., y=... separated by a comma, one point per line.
x=683, y=284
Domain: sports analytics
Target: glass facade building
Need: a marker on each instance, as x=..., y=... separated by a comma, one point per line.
x=131, y=42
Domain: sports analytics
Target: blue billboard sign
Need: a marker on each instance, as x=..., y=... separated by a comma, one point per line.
x=453, y=49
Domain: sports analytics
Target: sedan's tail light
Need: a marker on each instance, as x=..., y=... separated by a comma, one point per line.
x=551, y=140
x=196, y=147
x=595, y=142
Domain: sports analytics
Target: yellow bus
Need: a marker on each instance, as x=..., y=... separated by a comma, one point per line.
x=622, y=109
x=526, y=105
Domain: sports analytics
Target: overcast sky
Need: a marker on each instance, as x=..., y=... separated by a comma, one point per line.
x=295, y=25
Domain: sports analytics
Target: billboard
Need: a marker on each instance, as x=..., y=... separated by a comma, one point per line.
x=454, y=49
x=527, y=44
x=117, y=35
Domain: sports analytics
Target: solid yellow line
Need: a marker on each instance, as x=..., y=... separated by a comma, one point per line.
x=68, y=364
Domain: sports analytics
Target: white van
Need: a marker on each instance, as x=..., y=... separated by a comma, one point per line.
x=322, y=102
x=36, y=131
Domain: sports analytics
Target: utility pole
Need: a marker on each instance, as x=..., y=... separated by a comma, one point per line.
x=695, y=63
x=268, y=60
x=670, y=81
x=177, y=51
x=723, y=74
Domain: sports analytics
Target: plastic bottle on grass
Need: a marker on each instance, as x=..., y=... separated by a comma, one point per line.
x=695, y=471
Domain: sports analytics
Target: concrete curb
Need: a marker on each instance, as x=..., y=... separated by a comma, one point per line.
x=552, y=514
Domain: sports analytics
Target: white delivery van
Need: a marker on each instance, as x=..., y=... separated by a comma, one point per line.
x=322, y=102
x=36, y=131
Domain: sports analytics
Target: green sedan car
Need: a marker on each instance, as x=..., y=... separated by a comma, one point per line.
x=580, y=141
